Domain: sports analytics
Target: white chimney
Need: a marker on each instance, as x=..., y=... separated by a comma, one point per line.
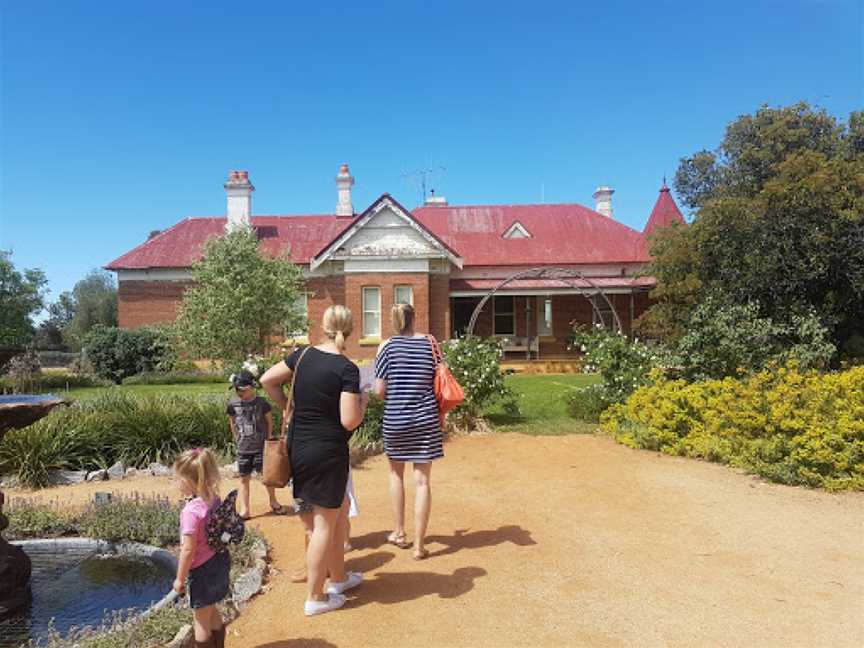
x=603, y=200
x=239, y=191
x=344, y=206
x=435, y=201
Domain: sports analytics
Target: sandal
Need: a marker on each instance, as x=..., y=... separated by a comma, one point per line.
x=399, y=540
x=421, y=554
x=278, y=510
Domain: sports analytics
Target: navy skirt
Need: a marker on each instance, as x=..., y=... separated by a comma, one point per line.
x=209, y=582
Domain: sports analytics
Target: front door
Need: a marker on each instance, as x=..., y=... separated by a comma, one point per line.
x=463, y=308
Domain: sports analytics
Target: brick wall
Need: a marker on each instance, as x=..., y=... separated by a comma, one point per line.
x=439, y=306
x=148, y=302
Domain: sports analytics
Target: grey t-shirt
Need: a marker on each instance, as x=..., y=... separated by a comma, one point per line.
x=250, y=423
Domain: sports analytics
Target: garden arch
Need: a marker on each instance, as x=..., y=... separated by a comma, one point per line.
x=568, y=276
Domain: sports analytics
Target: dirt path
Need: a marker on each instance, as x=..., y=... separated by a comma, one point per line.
x=577, y=541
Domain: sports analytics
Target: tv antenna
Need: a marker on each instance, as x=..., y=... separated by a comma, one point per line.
x=424, y=178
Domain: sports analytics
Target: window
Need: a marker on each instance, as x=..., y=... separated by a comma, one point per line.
x=505, y=319
x=301, y=310
x=544, y=316
x=403, y=295
x=371, y=312
x=516, y=231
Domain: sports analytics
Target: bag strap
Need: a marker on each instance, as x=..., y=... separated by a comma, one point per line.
x=291, y=393
x=437, y=358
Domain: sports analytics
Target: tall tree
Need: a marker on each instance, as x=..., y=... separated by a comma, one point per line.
x=92, y=303
x=22, y=295
x=779, y=222
x=239, y=302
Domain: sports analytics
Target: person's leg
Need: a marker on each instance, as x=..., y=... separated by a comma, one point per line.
x=324, y=525
x=422, y=506
x=336, y=558
x=347, y=546
x=299, y=574
x=397, y=499
x=217, y=628
x=201, y=619
x=244, y=496
x=274, y=503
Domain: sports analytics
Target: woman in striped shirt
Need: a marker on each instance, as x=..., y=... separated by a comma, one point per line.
x=404, y=372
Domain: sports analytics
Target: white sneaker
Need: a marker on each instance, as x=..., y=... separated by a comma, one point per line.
x=333, y=602
x=353, y=580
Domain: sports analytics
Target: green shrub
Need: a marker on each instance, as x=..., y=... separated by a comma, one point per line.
x=624, y=364
x=370, y=434
x=57, y=358
x=475, y=363
x=174, y=378
x=117, y=353
x=51, y=382
x=31, y=519
x=587, y=403
x=115, y=426
x=788, y=425
x=733, y=339
x=147, y=520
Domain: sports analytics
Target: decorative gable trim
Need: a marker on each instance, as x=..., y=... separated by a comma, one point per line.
x=331, y=251
x=516, y=231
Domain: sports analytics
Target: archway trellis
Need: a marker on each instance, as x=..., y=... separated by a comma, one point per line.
x=568, y=276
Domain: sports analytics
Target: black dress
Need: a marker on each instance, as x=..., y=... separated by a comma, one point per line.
x=319, y=443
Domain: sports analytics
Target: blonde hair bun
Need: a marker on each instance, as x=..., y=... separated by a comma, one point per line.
x=337, y=324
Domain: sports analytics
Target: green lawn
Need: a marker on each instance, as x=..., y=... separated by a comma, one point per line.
x=542, y=399
x=219, y=389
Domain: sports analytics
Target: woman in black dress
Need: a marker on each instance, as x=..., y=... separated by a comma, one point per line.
x=327, y=408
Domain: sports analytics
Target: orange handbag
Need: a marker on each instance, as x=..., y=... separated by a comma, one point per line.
x=448, y=392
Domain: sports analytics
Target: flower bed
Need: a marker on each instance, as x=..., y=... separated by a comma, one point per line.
x=790, y=426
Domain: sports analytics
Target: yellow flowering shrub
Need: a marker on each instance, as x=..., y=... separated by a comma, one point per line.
x=788, y=425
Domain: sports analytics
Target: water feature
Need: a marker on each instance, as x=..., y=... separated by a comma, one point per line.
x=80, y=583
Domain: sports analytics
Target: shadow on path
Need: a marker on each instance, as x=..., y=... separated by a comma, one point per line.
x=463, y=539
x=369, y=562
x=396, y=587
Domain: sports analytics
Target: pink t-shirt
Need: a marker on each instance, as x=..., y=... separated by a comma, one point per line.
x=193, y=521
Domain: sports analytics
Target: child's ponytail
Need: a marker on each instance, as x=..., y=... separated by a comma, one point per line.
x=198, y=466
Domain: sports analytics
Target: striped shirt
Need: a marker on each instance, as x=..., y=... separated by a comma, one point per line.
x=412, y=428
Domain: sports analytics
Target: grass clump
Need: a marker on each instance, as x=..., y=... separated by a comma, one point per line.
x=175, y=378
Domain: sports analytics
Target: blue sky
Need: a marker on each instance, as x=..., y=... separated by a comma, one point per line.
x=121, y=118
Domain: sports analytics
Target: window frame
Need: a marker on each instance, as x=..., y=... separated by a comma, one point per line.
x=396, y=293
x=370, y=334
x=541, y=317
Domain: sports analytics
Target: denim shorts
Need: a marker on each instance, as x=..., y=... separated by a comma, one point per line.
x=209, y=582
x=246, y=463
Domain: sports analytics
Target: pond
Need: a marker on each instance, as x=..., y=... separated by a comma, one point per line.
x=76, y=587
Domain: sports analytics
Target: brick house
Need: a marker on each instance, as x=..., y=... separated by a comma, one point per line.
x=441, y=258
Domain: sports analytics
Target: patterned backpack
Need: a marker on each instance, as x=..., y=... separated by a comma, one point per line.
x=224, y=524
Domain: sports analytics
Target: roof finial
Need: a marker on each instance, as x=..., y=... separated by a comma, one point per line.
x=664, y=187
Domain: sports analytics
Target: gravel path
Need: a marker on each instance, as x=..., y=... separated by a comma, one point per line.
x=576, y=541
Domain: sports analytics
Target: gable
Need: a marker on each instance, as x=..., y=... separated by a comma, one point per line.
x=385, y=231
x=516, y=231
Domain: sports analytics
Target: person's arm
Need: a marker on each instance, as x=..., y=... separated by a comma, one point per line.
x=269, y=418
x=233, y=427
x=272, y=382
x=352, y=409
x=380, y=388
x=187, y=556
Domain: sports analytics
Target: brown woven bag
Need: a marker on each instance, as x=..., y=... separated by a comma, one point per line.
x=277, y=459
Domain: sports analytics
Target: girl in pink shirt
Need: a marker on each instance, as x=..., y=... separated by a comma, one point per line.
x=198, y=477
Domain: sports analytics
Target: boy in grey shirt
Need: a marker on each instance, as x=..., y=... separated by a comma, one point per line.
x=251, y=423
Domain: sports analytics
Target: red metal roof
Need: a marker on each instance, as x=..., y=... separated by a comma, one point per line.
x=566, y=234
x=182, y=245
x=553, y=284
x=560, y=234
x=665, y=212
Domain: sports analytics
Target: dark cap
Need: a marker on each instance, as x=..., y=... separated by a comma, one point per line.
x=243, y=380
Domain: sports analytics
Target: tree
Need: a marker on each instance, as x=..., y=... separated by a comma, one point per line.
x=93, y=303
x=779, y=222
x=22, y=295
x=239, y=301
